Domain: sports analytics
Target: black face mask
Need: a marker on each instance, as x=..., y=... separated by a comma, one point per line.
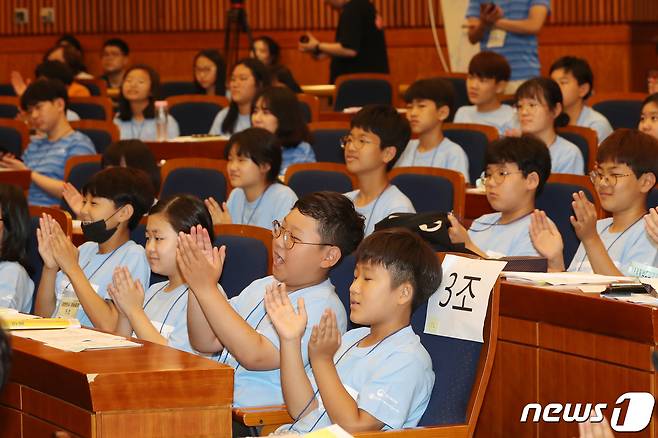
x=97, y=231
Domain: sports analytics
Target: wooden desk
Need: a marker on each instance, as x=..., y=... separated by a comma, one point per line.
x=202, y=149
x=133, y=392
x=566, y=347
x=322, y=90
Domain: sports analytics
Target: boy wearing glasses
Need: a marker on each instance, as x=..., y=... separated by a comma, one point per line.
x=627, y=165
x=377, y=137
x=312, y=238
x=516, y=170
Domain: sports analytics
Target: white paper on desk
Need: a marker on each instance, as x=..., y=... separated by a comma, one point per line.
x=6, y=312
x=76, y=339
x=636, y=298
x=459, y=307
x=563, y=278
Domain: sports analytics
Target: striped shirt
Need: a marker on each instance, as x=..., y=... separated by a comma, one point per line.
x=49, y=159
x=520, y=50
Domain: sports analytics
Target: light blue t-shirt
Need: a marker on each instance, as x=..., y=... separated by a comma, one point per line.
x=497, y=240
x=502, y=119
x=590, y=118
x=261, y=388
x=167, y=311
x=72, y=116
x=16, y=287
x=391, y=200
x=49, y=159
x=519, y=49
x=146, y=130
x=302, y=153
x=274, y=204
x=392, y=380
x=624, y=247
x=243, y=122
x=566, y=157
x=447, y=155
x=98, y=269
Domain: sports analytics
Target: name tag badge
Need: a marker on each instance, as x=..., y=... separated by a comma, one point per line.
x=641, y=270
x=68, y=307
x=496, y=38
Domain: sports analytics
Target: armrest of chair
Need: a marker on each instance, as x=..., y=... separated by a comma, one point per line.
x=450, y=431
x=268, y=417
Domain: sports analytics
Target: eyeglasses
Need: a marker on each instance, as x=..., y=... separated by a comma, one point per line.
x=610, y=180
x=498, y=176
x=358, y=144
x=289, y=240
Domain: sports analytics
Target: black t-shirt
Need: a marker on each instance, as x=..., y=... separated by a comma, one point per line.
x=357, y=30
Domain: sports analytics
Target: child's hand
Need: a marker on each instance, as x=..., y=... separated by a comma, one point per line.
x=456, y=231
x=73, y=198
x=289, y=324
x=43, y=241
x=588, y=429
x=651, y=224
x=585, y=217
x=198, y=271
x=64, y=251
x=127, y=294
x=219, y=213
x=202, y=238
x=8, y=161
x=325, y=338
x=545, y=236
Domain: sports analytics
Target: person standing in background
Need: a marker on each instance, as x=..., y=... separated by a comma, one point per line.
x=510, y=28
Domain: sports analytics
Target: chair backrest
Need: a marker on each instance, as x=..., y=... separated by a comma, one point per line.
x=7, y=90
x=652, y=199
x=621, y=109
x=195, y=112
x=326, y=140
x=79, y=168
x=167, y=150
x=507, y=99
x=250, y=258
x=341, y=277
x=34, y=259
x=19, y=178
x=176, y=88
x=96, y=87
x=585, y=139
x=101, y=132
x=93, y=107
x=310, y=106
x=458, y=81
x=473, y=138
x=462, y=369
x=9, y=107
x=431, y=189
x=202, y=177
x=14, y=136
x=304, y=178
x=556, y=199
x=362, y=89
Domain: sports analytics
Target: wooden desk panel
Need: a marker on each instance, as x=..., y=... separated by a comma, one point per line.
x=147, y=391
x=564, y=346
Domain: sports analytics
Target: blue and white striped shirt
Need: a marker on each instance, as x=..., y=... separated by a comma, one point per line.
x=49, y=159
x=520, y=50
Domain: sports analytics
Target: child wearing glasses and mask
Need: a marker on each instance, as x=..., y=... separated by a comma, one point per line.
x=321, y=228
x=626, y=169
x=516, y=170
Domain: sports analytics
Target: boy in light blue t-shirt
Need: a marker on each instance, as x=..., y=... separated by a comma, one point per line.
x=379, y=376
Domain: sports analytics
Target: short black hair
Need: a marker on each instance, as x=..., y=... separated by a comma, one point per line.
x=528, y=152
x=339, y=223
x=272, y=46
x=259, y=145
x=637, y=150
x=135, y=153
x=579, y=68
x=72, y=57
x=123, y=186
x=184, y=212
x=119, y=44
x=282, y=74
x=55, y=70
x=220, y=76
x=125, y=110
x=71, y=40
x=16, y=223
x=652, y=98
x=283, y=104
x=438, y=90
x=43, y=90
x=544, y=90
x=490, y=65
x=388, y=124
x=406, y=257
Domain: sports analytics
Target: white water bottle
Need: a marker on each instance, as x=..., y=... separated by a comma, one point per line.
x=161, y=115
